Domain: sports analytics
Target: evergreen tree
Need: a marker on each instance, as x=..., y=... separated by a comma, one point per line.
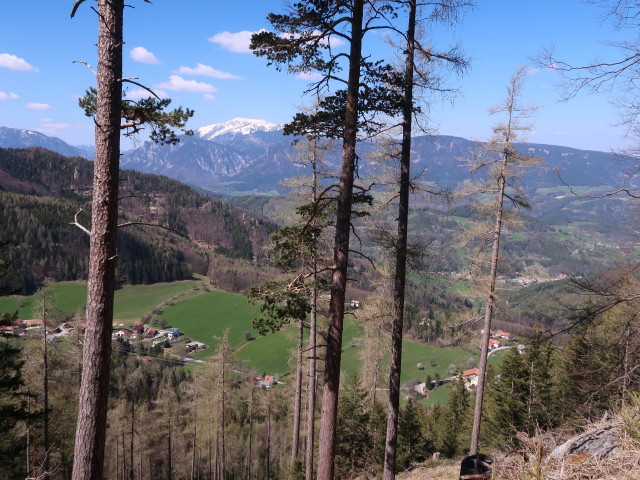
x=302, y=43
x=14, y=407
x=508, y=395
x=353, y=436
x=453, y=421
x=108, y=112
x=412, y=442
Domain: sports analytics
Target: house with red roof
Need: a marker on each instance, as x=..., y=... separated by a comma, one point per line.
x=138, y=329
x=505, y=335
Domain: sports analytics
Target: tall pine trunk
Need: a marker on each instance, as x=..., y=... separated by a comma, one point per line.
x=94, y=388
x=393, y=410
x=326, y=448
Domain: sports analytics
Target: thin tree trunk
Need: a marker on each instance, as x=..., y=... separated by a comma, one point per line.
x=269, y=437
x=295, y=441
x=117, y=464
x=133, y=422
x=488, y=312
x=249, y=456
x=193, y=458
x=326, y=450
x=124, y=458
x=222, y=406
x=170, y=475
x=311, y=389
x=45, y=385
x=28, y=438
x=94, y=388
x=393, y=411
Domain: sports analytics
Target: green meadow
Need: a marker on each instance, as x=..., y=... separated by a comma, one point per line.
x=131, y=301
x=204, y=315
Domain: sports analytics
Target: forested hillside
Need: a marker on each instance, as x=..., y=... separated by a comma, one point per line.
x=41, y=192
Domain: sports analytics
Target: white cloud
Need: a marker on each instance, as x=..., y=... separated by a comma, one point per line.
x=309, y=76
x=235, y=42
x=15, y=63
x=179, y=84
x=138, y=93
x=210, y=97
x=207, y=71
x=39, y=106
x=52, y=128
x=8, y=96
x=142, y=55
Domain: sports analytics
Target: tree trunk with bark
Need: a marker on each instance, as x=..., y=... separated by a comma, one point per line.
x=94, y=389
x=509, y=158
x=393, y=410
x=326, y=448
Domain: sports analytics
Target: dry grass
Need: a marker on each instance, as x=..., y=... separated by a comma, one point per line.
x=441, y=470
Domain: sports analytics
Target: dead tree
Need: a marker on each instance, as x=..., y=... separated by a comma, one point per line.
x=505, y=163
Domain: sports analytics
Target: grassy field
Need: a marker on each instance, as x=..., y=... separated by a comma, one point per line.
x=131, y=301
x=205, y=315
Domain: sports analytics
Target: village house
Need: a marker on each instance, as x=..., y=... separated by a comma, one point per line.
x=267, y=382
x=504, y=335
x=470, y=377
x=493, y=343
x=150, y=333
x=173, y=333
x=421, y=389
x=124, y=334
x=32, y=323
x=192, y=346
x=138, y=329
x=8, y=330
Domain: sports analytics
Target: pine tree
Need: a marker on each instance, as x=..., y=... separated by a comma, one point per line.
x=14, y=407
x=108, y=112
x=453, y=419
x=302, y=42
x=413, y=446
x=507, y=395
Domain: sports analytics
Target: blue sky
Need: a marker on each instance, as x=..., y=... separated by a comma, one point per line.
x=196, y=53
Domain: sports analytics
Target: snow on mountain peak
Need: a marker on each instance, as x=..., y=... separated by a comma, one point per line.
x=237, y=126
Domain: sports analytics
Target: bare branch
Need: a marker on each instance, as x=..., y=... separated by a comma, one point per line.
x=130, y=80
x=75, y=7
x=77, y=224
x=146, y=224
x=88, y=66
x=604, y=195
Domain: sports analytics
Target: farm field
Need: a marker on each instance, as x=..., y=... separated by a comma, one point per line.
x=205, y=315
x=131, y=301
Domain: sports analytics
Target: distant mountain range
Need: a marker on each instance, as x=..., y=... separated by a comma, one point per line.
x=18, y=138
x=244, y=156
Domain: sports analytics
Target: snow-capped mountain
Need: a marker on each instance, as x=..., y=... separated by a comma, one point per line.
x=245, y=156
x=235, y=127
x=19, y=138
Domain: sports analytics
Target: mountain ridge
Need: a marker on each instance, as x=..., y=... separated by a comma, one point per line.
x=246, y=156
